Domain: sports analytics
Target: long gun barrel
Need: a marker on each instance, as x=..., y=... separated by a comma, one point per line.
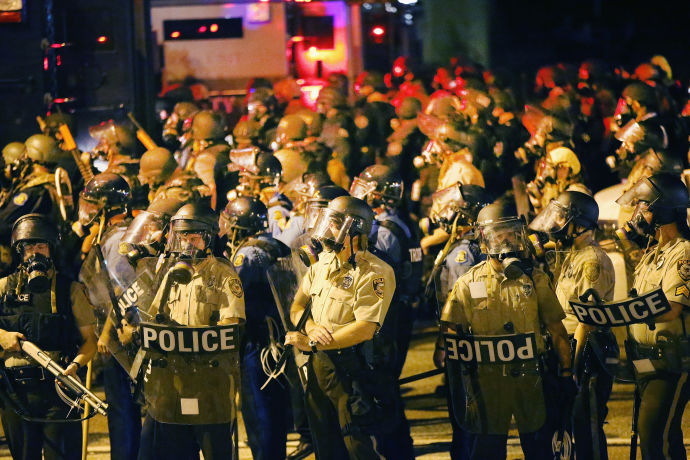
x=71, y=146
x=142, y=135
x=74, y=385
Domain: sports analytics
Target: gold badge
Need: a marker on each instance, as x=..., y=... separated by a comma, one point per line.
x=683, y=290
x=342, y=132
x=280, y=219
x=684, y=269
x=347, y=282
x=592, y=271
x=20, y=199
x=461, y=257
x=239, y=259
x=236, y=287
x=378, y=287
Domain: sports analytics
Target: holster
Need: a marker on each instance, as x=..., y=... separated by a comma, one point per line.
x=670, y=354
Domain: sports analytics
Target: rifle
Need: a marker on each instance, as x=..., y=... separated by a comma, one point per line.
x=69, y=144
x=142, y=135
x=71, y=383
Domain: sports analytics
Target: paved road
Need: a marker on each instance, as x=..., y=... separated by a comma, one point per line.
x=427, y=414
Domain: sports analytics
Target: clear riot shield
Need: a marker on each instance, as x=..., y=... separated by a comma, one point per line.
x=120, y=286
x=284, y=277
x=190, y=374
x=493, y=379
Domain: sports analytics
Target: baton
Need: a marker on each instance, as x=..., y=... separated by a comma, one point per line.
x=420, y=376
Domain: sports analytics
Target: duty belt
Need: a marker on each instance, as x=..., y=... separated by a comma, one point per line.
x=26, y=375
x=647, y=351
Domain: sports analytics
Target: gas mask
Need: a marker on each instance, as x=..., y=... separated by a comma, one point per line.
x=638, y=229
x=505, y=241
x=309, y=253
x=181, y=272
x=37, y=268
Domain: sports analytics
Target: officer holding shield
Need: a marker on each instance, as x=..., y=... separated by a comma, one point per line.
x=494, y=315
x=660, y=351
x=198, y=290
x=570, y=220
x=348, y=292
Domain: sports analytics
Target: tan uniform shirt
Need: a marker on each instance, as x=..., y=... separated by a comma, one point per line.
x=581, y=270
x=456, y=169
x=81, y=309
x=670, y=270
x=486, y=300
x=215, y=287
x=341, y=294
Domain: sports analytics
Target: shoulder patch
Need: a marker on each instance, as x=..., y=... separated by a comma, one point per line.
x=239, y=260
x=279, y=218
x=462, y=256
x=592, y=271
x=378, y=284
x=683, y=267
x=683, y=290
x=236, y=287
x=20, y=198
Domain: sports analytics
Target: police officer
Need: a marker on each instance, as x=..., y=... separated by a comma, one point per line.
x=176, y=127
x=252, y=250
x=165, y=179
x=499, y=296
x=373, y=114
x=455, y=209
x=37, y=294
x=338, y=128
x=104, y=205
x=302, y=191
x=350, y=291
x=558, y=171
x=212, y=296
x=570, y=221
x=208, y=129
x=261, y=108
x=660, y=349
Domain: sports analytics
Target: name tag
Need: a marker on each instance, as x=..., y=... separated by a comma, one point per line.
x=629, y=311
x=180, y=339
x=490, y=349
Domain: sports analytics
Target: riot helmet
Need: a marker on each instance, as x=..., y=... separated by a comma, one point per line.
x=409, y=108
x=569, y=207
x=156, y=166
x=13, y=152
x=330, y=98
x=245, y=133
x=113, y=139
x=458, y=204
x=378, y=185
x=503, y=236
x=344, y=216
x=193, y=230
x=291, y=128
x=242, y=217
x=208, y=125
x=179, y=121
x=105, y=194
x=320, y=199
x=261, y=102
x=42, y=149
x=55, y=120
x=145, y=235
x=302, y=189
x=657, y=200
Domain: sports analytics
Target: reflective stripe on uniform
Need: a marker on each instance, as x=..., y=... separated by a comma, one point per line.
x=671, y=414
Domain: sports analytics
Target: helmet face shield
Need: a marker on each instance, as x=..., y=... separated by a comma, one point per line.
x=503, y=237
x=312, y=211
x=146, y=230
x=331, y=228
x=361, y=188
x=445, y=204
x=88, y=210
x=188, y=243
x=643, y=190
x=552, y=219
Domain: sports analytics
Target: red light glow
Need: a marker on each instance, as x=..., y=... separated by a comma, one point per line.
x=45, y=64
x=378, y=31
x=202, y=29
x=175, y=34
x=102, y=39
x=214, y=28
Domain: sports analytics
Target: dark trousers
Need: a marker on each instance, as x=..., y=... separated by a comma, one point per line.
x=28, y=439
x=300, y=418
x=264, y=411
x=359, y=444
x=404, y=334
x=536, y=445
x=589, y=414
x=663, y=401
x=183, y=442
x=124, y=414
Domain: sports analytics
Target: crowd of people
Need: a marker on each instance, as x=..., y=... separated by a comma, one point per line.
x=286, y=258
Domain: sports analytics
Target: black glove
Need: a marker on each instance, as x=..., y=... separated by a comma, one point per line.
x=568, y=388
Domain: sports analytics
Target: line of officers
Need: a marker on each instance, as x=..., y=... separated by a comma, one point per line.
x=557, y=385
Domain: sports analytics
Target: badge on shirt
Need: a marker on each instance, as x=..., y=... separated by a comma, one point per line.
x=236, y=287
x=660, y=263
x=527, y=289
x=211, y=281
x=461, y=257
x=592, y=271
x=20, y=199
x=239, y=259
x=378, y=287
x=347, y=282
x=683, y=266
x=279, y=218
x=683, y=290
